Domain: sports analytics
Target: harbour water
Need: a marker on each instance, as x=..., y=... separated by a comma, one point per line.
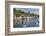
x=28, y=22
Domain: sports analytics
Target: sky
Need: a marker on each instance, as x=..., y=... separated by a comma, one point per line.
x=31, y=10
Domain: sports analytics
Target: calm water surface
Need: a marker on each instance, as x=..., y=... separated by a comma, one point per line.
x=32, y=23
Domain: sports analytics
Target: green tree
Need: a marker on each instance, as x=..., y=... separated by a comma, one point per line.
x=33, y=14
x=14, y=10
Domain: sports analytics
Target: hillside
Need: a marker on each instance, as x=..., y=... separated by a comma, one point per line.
x=20, y=12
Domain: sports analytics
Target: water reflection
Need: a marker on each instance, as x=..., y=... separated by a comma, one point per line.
x=22, y=22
